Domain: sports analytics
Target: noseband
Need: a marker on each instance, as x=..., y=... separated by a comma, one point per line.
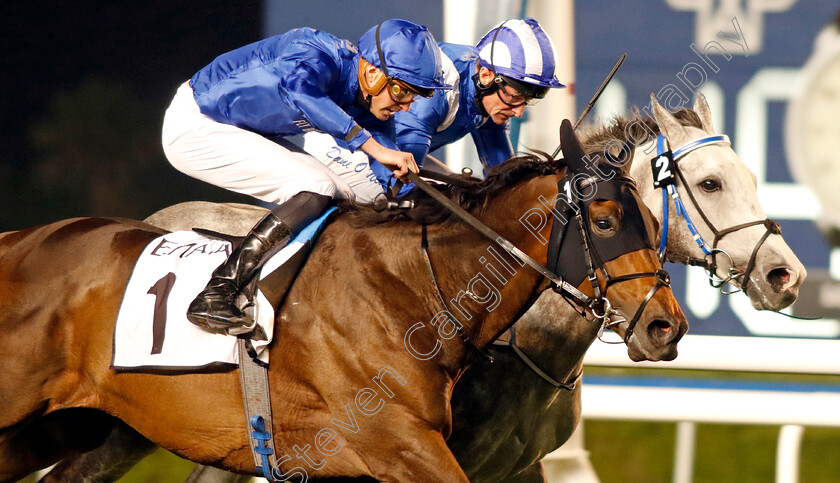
x=665, y=167
x=661, y=278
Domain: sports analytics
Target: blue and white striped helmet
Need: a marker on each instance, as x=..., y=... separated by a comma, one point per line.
x=521, y=50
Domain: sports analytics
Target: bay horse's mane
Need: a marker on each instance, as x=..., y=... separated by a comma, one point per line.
x=427, y=210
x=595, y=138
x=516, y=169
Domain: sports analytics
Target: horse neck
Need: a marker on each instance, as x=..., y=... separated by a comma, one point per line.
x=555, y=336
x=502, y=289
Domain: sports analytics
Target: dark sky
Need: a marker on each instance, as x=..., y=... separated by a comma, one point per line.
x=153, y=45
x=351, y=18
x=142, y=50
x=84, y=85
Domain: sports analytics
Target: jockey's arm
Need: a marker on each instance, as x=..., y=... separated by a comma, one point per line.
x=305, y=88
x=400, y=162
x=416, y=127
x=493, y=144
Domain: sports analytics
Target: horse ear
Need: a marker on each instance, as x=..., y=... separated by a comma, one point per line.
x=572, y=150
x=668, y=124
x=701, y=107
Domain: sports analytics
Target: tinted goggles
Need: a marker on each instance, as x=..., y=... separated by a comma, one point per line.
x=516, y=94
x=403, y=93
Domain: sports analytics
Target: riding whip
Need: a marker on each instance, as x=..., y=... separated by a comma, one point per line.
x=595, y=97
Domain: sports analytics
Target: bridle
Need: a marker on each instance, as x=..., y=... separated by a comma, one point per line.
x=592, y=257
x=599, y=302
x=665, y=167
x=593, y=264
x=568, y=291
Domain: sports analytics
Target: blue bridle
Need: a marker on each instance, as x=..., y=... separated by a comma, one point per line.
x=671, y=188
x=665, y=174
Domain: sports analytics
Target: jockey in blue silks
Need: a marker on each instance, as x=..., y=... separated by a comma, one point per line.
x=228, y=124
x=512, y=66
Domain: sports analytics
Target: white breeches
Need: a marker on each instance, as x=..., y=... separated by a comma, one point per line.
x=246, y=162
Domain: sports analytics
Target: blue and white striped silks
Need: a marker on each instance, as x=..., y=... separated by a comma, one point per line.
x=522, y=50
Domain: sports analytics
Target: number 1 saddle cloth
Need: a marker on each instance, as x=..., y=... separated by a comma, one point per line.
x=152, y=332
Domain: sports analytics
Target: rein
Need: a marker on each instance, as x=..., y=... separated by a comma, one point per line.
x=511, y=344
x=662, y=280
x=661, y=277
x=664, y=167
x=459, y=328
x=558, y=284
x=464, y=180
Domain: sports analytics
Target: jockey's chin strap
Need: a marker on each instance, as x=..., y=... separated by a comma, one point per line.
x=665, y=167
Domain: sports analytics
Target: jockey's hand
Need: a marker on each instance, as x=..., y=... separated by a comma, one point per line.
x=399, y=162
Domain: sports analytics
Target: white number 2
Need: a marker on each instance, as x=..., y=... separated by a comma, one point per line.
x=663, y=167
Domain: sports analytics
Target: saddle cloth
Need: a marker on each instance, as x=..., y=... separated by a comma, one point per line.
x=152, y=331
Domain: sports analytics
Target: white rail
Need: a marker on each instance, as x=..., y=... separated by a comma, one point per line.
x=690, y=401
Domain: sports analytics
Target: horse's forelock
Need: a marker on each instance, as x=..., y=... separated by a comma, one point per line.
x=627, y=128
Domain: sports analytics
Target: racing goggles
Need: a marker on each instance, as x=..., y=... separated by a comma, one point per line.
x=402, y=93
x=517, y=94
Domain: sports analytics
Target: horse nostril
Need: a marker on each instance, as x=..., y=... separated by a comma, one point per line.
x=779, y=278
x=659, y=328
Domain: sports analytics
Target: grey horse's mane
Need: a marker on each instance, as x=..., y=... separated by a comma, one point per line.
x=626, y=128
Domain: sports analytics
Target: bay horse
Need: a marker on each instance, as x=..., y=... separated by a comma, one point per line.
x=505, y=416
x=532, y=417
x=341, y=333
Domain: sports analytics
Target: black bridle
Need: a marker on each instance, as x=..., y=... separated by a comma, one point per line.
x=661, y=278
x=558, y=250
x=622, y=189
x=665, y=173
x=593, y=264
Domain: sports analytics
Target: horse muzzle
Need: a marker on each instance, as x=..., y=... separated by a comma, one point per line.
x=657, y=339
x=774, y=284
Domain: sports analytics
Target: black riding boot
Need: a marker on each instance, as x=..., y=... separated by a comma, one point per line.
x=215, y=307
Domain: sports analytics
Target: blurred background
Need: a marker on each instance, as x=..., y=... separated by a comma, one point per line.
x=85, y=84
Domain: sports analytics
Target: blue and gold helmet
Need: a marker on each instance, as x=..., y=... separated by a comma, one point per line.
x=409, y=52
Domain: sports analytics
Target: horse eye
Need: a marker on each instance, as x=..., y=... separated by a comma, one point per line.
x=710, y=185
x=603, y=224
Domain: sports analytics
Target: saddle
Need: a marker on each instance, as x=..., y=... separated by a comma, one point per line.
x=274, y=285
